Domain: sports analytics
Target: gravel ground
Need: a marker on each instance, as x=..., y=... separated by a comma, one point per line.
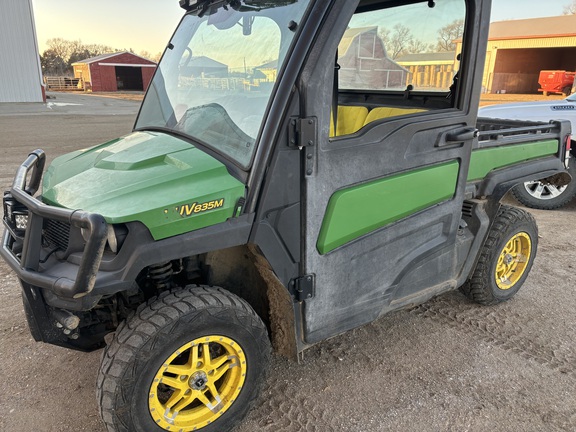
x=447, y=365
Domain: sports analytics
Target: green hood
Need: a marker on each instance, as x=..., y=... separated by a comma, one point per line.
x=166, y=183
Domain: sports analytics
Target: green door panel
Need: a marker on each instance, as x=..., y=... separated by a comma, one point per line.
x=361, y=209
x=485, y=160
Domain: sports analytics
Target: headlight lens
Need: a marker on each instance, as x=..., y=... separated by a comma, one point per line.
x=85, y=234
x=21, y=220
x=115, y=236
x=112, y=241
x=110, y=237
x=15, y=214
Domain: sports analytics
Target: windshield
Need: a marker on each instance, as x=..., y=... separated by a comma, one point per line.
x=217, y=75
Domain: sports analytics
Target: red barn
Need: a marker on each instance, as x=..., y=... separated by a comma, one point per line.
x=115, y=72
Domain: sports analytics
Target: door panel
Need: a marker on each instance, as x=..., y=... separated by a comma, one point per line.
x=383, y=198
x=358, y=210
x=382, y=218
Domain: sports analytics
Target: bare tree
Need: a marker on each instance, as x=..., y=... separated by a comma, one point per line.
x=448, y=34
x=61, y=53
x=148, y=55
x=52, y=63
x=570, y=9
x=98, y=49
x=61, y=48
x=384, y=35
x=416, y=46
x=396, y=41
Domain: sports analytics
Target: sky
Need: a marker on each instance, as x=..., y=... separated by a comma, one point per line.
x=147, y=25
x=131, y=24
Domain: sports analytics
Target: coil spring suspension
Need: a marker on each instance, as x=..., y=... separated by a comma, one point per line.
x=161, y=275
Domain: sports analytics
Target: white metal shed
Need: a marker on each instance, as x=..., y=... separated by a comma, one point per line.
x=20, y=70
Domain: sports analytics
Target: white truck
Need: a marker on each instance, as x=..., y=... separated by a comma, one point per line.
x=550, y=193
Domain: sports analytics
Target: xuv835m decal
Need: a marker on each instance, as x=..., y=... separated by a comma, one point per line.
x=189, y=209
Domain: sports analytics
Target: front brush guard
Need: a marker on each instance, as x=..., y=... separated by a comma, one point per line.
x=27, y=266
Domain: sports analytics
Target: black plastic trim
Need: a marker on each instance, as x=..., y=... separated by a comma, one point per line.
x=508, y=177
x=141, y=250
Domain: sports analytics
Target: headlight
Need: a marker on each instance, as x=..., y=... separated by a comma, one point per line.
x=8, y=209
x=110, y=237
x=21, y=220
x=85, y=234
x=115, y=236
x=15, y=214
x=112, y=241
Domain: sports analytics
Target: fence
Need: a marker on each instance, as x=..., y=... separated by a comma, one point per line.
x=63, y=83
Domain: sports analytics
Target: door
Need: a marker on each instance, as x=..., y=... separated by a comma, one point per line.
x=385, y=184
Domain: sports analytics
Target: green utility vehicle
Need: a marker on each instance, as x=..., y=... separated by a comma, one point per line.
x=292, y=174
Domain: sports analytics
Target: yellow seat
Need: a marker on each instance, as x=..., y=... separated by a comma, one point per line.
x=350, y=119
x=385, y=112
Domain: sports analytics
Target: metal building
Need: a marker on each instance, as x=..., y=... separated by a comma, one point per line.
x=115, y=72
x=20, y=70
x=518, y=50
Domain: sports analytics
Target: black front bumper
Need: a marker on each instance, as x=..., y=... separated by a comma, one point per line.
x=22, y=248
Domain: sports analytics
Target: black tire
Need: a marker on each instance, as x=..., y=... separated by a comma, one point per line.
x=567, y=90
x=168, y=333
x=501, y=270
x=538, y=195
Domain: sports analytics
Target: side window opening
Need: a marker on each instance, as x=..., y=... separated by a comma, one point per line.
x=397, y=61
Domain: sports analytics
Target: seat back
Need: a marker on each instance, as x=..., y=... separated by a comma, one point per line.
x=350, y=119
x=385, y=112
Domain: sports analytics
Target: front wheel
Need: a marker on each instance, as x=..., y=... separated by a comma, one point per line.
x=191, y=360
x=505, y=259
x=546, y=196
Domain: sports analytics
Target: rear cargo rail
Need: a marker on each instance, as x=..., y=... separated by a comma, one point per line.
x=503, y=132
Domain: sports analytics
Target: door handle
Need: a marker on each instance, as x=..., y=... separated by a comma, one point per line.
x=460, y=135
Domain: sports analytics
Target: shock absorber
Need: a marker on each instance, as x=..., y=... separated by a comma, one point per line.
x=161, y=275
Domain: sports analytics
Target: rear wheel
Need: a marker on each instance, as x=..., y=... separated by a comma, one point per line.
x=190, y=360
x=546, y=196
x=567, y=90
x=505, y=259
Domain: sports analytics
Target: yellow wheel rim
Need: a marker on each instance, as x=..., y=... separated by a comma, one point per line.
x=513, y=260
x=197, y=383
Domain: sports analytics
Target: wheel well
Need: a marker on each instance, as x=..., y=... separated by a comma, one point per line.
x=244, y=271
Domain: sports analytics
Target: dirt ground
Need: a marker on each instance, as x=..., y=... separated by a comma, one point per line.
x=447, y=365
